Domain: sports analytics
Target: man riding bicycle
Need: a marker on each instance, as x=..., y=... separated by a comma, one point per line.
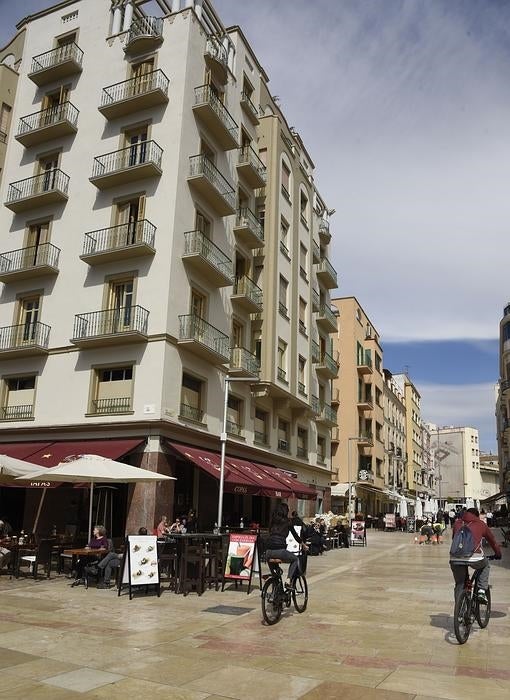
x=476, y=559
x=279, y=529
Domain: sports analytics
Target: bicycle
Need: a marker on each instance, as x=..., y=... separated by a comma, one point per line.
x=275, y=596
x=468, y=607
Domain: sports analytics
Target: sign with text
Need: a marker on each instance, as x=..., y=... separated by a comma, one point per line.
x=358, y=533
x=242, y=558
x=389, y=521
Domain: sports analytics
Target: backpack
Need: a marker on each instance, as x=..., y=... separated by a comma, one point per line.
x=463, y=543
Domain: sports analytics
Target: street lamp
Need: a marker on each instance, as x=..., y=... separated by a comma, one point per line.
x=223, y=440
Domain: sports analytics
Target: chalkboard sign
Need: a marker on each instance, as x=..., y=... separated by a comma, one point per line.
x=411, y=523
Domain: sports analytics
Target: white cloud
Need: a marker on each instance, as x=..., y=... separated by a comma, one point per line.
x=470, y=405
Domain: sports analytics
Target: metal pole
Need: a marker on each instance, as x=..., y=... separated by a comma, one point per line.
x=349, y=478
x=223, y=439
x=90, y=510
x=439, y=467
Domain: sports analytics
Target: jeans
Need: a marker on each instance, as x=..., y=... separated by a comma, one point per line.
x=460, y=571
x=107, y=563
x=286, y=556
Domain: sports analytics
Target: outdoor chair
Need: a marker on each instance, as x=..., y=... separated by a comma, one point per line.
x=41, y=556
x=168, y=557
x=213, y=573
x=192, y=566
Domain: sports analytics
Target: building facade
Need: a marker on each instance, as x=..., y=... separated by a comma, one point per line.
x=414, y=448
x=503, y=403
x=395, y=435
x=149, y=182
x=489, y=474
x=10, y=60
x=458, y=462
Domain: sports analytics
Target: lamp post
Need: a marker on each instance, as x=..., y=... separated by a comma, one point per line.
x=349, y=440
x=223, y=440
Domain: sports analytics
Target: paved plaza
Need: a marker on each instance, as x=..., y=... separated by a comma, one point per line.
x=378, y=627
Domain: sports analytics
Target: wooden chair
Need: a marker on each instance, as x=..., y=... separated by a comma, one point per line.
x=41, y=556
x=192, y=566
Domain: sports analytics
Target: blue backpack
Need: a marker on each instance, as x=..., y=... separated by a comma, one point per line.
x=463, y=543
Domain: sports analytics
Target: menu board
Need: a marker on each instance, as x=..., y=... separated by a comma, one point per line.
x=140, y=563
x=358, y=533
x=389, y=521
x=411, y=523
x=242, y=558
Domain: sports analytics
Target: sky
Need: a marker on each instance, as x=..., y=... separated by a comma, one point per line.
x=404, y=107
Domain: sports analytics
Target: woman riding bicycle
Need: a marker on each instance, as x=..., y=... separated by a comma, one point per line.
x=279, y=529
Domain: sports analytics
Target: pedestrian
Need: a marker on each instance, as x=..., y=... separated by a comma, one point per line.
x=452, y=515
x=446, y=518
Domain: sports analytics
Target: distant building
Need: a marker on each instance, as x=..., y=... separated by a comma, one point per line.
x=416, y=480
x=489, y=473
x=503, y=403
x=458, y=457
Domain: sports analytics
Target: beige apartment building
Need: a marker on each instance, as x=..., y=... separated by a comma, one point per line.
x=359, y=453
x=503, y=403
x=395, y=435
x=10, y=59
x=414, y=448
x=161, y=232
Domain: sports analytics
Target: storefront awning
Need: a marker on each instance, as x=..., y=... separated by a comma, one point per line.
x=298, y=488
x=49, y=454
x=340, y=490
x=498, y=498
x=269, y=485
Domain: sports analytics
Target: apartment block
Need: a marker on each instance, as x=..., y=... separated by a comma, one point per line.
x=161, y=230
x=457, y=454
x=395, y=435
x=414, y=450
x=10, y=60
x=489, y=474
x=503, y=402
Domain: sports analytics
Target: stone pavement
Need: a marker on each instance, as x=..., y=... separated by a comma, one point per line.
x=378, y=627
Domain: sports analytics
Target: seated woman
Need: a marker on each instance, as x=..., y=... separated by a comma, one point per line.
x=176, y=526
x=163, y=527
x=98, y=541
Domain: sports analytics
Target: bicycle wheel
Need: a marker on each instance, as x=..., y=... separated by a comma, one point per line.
x=300, y=593
x=483, y=610
x=271, y=601
x=462, y=617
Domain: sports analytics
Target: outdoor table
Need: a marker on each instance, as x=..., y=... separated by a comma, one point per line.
x=204, y=539
x=16, y=550
x=84, y=552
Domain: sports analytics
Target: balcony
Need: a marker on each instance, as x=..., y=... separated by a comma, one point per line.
x=324, y=413
x=326, y=319
x=203, y=255
x=366, y=440
x=205, y=178
x=326, y=274
x=316, y=305
x=251, y=168
x=129, y=96
x=138, y=161
x=129, y=240
x=20, y=412
x=364, y=364
x=56, y=64
x=216, y=58
x=365, y=403
x=243, y=363
x=326, y=366
x=248, y=229
x=504, y=385
x=324, y=233
x=111, y=406
x=335, y=435
x=204, y=340
x=49, y=188
x=235, y=429
x=194, y=413
x=55, y=122
x=247, y=294
x=33, y=261
x=24, y=340
x=316, y=253
x=213, y=114
x=249, y=108
x=302, y=452
x=335, y=396
x=282, y=375
x=145, y=34
x=127, y=324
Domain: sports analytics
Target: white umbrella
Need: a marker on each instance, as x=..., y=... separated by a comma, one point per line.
x=418, y=509
x=427, y=506
x=403, y=507
x=94, y=469
x=470, y=503
x=11, y=468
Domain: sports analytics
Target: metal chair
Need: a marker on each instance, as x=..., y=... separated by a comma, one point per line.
x=41, y=557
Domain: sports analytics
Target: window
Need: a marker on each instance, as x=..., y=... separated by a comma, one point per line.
x=47, y=167
x=283, y=435
x=135, y=143
x=302, y=443
x=237, y=335
x=18, y=398
x=128, y=229
x=112, y=391
x=378, y=467
x=302, y=375
x=261, y=215
x=321, y=449
x=36, y=252
x=141, y=78
x=256, y=344
x=303, y=254
x=378, y=395
x=234, y=415
x=261, y=422
x=52, y=105
x=119, y=305
x=378, y=362
x=302, y=316
x=5, y=118
x=191, y=398
x=286, y=181
x=198, y=304
x=282, y=296
x=284, y=235
x=28, y=320
x=378, y=431
x=282, y=360
x=303, y=208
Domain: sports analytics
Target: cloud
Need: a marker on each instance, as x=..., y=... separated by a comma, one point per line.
x=471, y=405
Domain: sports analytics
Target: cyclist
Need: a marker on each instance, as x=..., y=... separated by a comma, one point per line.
x=279, y=529
x=477, y=559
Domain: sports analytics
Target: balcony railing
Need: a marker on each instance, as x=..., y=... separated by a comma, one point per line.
x=250, y=107
x=192, y=327
x=129, y=157
x=65, y=112
x=365, y=475
x=284, y=250
x=260, y=437
x=201, y=166
x=112, y=405
x=242, y=359
x=324, y=228
x=282, y=308
x=244, y=286
x=125, y=319
x=24, y=335
x=44, y=255
x=39, y=185
x=302, y=327
x=55, y=57
x=326, y=269
x=134, y=233
x=144, y=30
x=246, y=219
x=191, y=412
x=206, y=94
x=364, y=362
x=315, y=300
x=329, y=362
x=316, y=352
x=134, y=88
x=251, y=162
x=234, y=428
x=215, y=50
x=21, y=412
x=326, y=313
x=282, y=375
x=302, y=452
x=302, y=388
x=197, y=243
x=3, y=137
x=316, y=252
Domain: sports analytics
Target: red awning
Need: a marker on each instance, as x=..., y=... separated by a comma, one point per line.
x=49, y=454
x=300, y=490
x=269, y=486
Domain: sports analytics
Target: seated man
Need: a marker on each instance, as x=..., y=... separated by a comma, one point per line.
x=5, y=554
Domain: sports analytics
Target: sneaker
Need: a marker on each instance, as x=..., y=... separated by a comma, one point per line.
x=104, y=585
x=289, y=585
x=481, y=596
x=76, y=582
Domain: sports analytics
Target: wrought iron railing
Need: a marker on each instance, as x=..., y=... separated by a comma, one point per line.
x=25, y=258
x=316, y=352
x=282, y=375
x=315, y=299
x=49, y=59
x=192, y=327
x=155, y=80
x=302, y=388
x=328, y=412
x=247, y=287
x=112, y=405
x=48, y=181
x=216, y=50
x=245, y=217
x=302, y=452
x=121, y=236
x=366, y=437
x=260, y=437
x=325, y=266
x=201, y=165
x=47, y=117
x=3, y=137
x=282, y=309
x=302, y=327
x=145, y=26
x=328, y=361
x=234, y=428
x=240, y=358
x=283, y=445
x=205, y=94
x=196, y=242
x=316, y=252
x=191, y=412
x=24, y=335
x=248, y=155
x=325, y=312
x=246, y=98
x=125, y=319
x=129, y=157
x=21, y=412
